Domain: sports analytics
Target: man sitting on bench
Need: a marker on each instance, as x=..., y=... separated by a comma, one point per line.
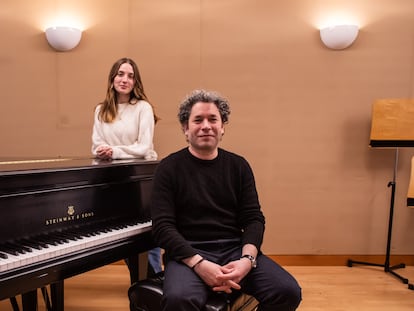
x=207, y=217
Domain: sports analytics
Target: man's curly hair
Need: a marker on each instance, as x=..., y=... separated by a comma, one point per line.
x=204, y=97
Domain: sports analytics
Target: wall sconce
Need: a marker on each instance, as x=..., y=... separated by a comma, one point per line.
x=339, y=37
x=63, y=38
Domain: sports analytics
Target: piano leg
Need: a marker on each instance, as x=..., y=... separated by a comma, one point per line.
x=133, y=267
x=137, y=266
x=143, y=266
x=57, y=294
x=29, y=301
x=46, y=298
x=14, y=304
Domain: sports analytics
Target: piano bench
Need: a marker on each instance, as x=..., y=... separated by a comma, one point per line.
x=145, y=295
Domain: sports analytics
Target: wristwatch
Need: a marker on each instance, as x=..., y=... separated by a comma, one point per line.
x=252, y=260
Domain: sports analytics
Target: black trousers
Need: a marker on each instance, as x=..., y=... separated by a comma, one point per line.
x=269, y=283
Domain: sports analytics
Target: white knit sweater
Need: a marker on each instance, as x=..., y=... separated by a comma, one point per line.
x=130, y=135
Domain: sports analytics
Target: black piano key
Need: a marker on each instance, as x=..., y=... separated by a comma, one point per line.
x=31, y=243
x=23, y=246
x=118, y=228
x=59, y=241
x=70, y=236
x=38, y=242
x=3, y=255
x=105, y=230
x=78, y=234
x=93, y=230
x=60, y=238
x=115, y=225
x=10, y=251
x=12, y=246
x=89, y=234
x=56, y=238
x=47, y=240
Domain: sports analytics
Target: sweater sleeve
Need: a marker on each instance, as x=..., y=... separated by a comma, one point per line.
x=163, y=213
x=97, y=132
x=251, y=216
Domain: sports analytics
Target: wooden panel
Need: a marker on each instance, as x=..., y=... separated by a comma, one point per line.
x=392, y=123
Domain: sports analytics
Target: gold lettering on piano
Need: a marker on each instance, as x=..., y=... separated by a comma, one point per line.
x=86, y=215
x=71, y=216
x=59, y=220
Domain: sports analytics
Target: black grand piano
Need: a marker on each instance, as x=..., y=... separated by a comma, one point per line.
x=62, y=217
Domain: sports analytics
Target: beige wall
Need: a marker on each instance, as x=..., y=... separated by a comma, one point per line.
x=301, y=113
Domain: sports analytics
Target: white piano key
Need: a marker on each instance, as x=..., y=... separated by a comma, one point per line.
x=53, y=251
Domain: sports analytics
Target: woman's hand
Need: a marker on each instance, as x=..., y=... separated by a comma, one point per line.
x=151, y=155
x=104, y=152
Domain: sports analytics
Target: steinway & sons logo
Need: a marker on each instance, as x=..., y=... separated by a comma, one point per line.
x=71, y=215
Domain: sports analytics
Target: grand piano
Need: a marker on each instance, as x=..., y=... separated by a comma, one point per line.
x=62, y=217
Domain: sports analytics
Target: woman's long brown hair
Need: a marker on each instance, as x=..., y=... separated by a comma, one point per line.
x=109, y=108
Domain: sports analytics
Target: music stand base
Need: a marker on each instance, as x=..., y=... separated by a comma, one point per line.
x=387, y=269
x=386, y=265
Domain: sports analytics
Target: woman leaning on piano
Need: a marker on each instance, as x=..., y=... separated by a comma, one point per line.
x=124, y=124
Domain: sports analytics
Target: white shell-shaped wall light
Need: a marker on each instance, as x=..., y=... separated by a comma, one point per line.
x=340, y=36
x=63, y=38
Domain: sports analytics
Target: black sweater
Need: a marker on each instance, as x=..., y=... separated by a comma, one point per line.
x=204, y=200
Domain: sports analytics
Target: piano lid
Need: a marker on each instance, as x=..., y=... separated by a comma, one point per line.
x=29, y=164
x=18, y=175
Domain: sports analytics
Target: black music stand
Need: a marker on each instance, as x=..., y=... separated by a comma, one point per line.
x=382, y=120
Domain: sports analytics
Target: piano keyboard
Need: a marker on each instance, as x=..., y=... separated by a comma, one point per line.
x=34, y=250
